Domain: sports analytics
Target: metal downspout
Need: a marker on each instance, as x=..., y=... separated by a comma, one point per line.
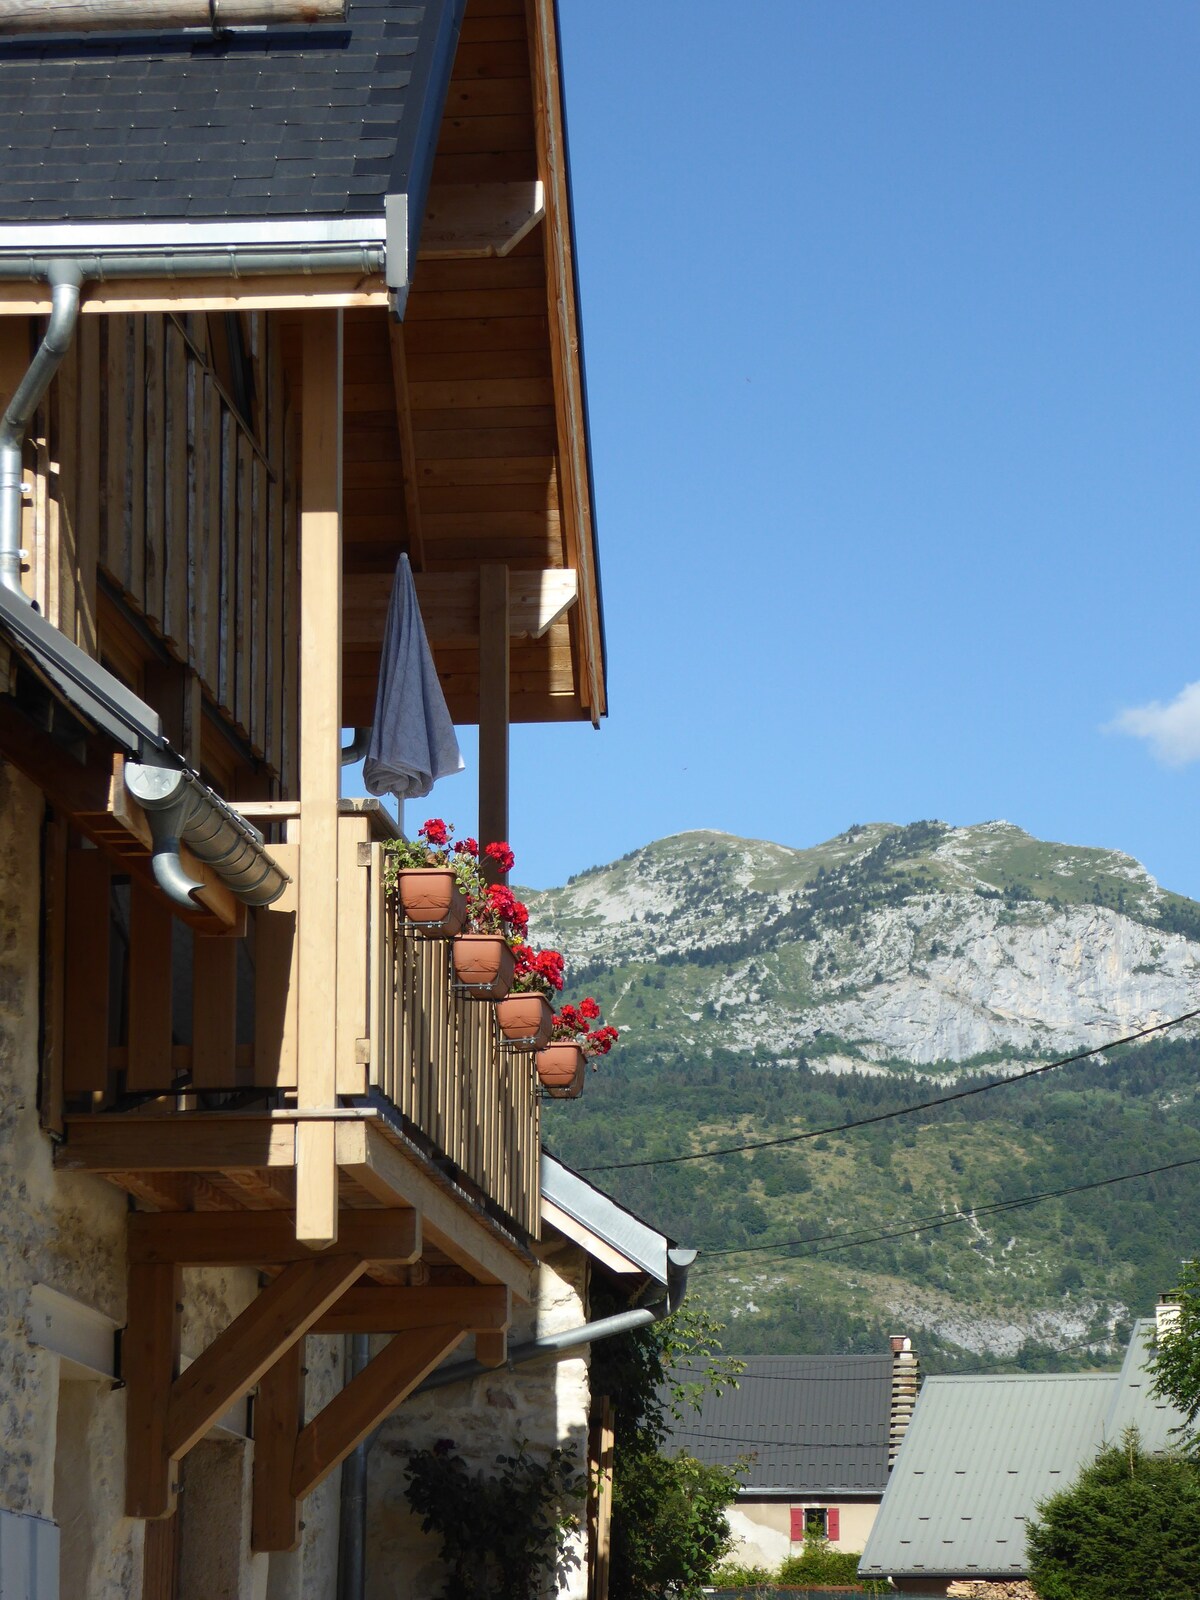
x=66, y=279
x=352, y=1528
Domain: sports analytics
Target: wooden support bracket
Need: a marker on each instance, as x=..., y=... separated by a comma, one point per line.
x=366, y=1400
x=237, y=1358
x=167, y=1413
x=485, y=1309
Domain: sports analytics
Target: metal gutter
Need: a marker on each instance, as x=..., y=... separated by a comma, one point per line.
x=182, y=810
x=228, y=261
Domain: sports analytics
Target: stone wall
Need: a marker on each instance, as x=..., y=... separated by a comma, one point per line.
x=62, y=1439
x=544, y=1404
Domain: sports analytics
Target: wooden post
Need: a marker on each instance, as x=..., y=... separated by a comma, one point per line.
x=604, y=1493
x=493, y=708
x=278, y=1419
x=149, y=1362
x=320, y=767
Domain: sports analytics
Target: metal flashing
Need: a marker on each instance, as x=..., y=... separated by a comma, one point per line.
x=86, y=238
x=632, y=1238
x=87, y=687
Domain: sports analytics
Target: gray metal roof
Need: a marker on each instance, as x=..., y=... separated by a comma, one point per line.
x=808, y=1424
x=981, y=1452
x=601, y=1215
x=317, y=121
x=1133, y=1405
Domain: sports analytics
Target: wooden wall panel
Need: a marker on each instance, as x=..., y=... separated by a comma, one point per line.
x=144, y=471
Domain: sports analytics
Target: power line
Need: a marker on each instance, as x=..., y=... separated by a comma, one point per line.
x=941, y=1220
x=900, y=1111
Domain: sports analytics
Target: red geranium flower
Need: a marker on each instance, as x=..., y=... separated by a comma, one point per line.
x=468, y=846
x=499, y=852
x=435, y=831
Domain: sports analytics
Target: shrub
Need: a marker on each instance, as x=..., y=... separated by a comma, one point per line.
x=1129, y=1525
x=820, y=1563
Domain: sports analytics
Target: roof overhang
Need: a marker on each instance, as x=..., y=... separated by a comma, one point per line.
x=613, y=1236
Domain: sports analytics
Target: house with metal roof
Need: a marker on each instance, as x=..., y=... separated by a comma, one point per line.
x=983, y=1451
x=813, y=1437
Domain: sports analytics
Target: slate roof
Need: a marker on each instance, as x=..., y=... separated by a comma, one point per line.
x=982, y=1451
x=317, y=121
x=809, y=1424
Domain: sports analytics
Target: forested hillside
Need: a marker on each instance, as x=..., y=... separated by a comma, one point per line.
x=753, y=1011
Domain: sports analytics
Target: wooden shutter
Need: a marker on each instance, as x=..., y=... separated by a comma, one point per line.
x=797, y=1524
x=833, y=1524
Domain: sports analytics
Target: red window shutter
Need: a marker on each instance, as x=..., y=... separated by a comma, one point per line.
x=797, y=1524
x=833, y=1523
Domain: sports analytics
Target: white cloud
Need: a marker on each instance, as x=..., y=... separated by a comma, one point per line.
x=1172, y=730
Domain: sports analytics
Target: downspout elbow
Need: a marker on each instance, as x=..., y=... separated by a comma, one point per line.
x=66, y=281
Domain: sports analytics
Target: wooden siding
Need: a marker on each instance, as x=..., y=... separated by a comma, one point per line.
x=400, y=1024
x=147, y=475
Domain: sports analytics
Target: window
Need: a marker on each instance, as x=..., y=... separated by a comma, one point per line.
x=815, y=1522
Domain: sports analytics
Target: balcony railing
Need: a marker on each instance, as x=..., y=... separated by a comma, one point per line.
x=154, y=1010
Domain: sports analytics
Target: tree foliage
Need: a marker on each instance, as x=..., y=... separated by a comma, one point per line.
x=1128, y=1526
x=669, y=1528
x=501, y=1533
x=1176, y=1361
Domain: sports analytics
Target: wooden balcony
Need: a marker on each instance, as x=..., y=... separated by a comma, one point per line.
x=180, y=1049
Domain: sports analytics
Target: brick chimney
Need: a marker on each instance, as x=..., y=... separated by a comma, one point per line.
x=906, y=1380
x=1166, y=1315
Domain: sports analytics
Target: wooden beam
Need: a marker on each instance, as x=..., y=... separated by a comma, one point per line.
x=320, y=766
x=278, y=1418
x=134, y=296
x=494, y=676
x=491, y=1347
x=408, y=449
x=366, y=1400
x=570, y=406
x=282, y=1313
x=469, y=220
x=485, y=1308
x=449, y=603
x=268, y=1238
x=149, y=1362
x=599, y=1249
x=89, y=16
x=368, y=1157
x=200, y=1143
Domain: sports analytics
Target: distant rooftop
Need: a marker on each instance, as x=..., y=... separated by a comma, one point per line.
x=981, y=1452
x=807, y=1424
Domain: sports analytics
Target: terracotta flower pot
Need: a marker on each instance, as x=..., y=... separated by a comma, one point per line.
x=525, y=1019
x=560, y=1070
x=483, y=965
x=431, y=900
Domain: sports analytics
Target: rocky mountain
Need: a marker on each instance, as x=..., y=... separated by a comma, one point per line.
x=853, y=975
x=924, y=945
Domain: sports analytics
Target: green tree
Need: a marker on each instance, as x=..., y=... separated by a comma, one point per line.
x=1176, y=1361
x=669, y=1530
x=1129, y=1525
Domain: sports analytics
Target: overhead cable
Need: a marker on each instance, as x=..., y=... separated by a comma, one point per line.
x=899, y=1111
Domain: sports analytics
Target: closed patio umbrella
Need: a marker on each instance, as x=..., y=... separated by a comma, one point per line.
x=412, y=743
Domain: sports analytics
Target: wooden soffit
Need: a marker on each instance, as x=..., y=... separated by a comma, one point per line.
x=465, y=428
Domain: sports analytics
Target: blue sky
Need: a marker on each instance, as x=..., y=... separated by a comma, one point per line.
x=893, y=350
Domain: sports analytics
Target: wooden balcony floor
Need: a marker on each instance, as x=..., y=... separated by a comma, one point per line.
x=180, y=1161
